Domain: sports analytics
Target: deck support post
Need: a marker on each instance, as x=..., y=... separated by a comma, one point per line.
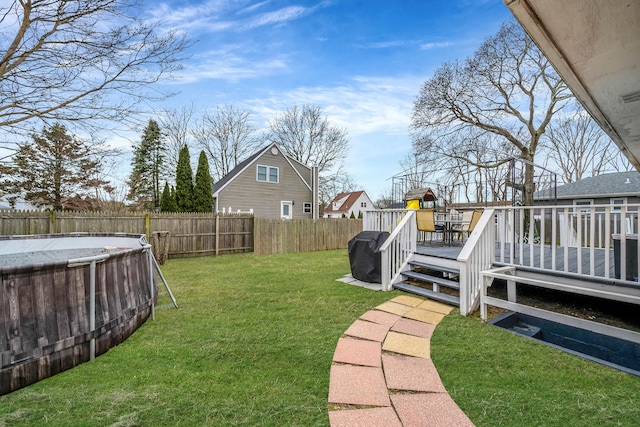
x=511, y=291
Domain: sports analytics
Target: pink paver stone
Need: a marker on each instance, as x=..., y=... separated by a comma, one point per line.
x=358, y=385
x=411, y=374
x=372, y=417
x=367, y=330
x=381, y=317
x=358, y=352
x=429, y=409
x=414, y=327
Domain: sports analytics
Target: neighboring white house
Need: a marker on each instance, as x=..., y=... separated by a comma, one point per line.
x=345, y=204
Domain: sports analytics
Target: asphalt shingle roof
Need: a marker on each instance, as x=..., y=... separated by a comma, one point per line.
x=606, y=185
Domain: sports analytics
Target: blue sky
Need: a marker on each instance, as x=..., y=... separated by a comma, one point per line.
x=362, y=62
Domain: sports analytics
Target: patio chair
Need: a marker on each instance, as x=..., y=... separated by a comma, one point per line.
x=426, y=221
x=463, y=227
x=469, y=221
x=475, y=217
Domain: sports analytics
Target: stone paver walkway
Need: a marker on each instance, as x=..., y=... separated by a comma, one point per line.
x=382, y=373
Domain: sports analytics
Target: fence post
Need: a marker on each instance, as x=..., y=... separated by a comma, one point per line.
x=217, y=233
x=52, y=222
x=147, y=226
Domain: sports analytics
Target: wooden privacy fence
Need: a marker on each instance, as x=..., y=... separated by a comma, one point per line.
x=193, y=234
x=275, y=236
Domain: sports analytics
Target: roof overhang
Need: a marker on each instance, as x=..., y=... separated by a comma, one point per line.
x=595, y=46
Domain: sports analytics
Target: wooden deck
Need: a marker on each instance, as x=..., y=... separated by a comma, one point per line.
x=546, y=253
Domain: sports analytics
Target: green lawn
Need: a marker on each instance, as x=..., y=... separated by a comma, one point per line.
x=252, y=343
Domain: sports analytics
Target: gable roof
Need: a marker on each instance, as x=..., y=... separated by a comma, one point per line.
x=349, y=200
x=607, y=185
x=250, y=160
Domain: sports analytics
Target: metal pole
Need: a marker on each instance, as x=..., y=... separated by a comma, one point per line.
x=92, y=309
x=151, y=290
x=166, y=285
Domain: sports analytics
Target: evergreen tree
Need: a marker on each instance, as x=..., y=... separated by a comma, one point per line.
x=202, y=193
x=168, y=200
x=56, y=170
x=184, y=182
x=144, y=181
x=173, y=199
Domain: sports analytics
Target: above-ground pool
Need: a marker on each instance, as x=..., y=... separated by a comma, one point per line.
x=67, y=298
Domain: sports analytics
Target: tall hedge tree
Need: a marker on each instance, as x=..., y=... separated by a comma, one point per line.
x=148, y=157
x=184, y=182
x=168, y=200
x=202, y=192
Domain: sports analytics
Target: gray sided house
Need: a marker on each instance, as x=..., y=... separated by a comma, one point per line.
x=608, y=189
x=269, y=184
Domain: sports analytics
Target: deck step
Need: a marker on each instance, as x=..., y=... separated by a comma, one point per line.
x=434, y=267
x=431, y=279
x=447, y=299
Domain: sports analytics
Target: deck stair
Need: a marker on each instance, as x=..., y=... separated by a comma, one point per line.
x=428, y=280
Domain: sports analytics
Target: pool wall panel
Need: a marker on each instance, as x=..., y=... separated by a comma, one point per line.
x=44, y=314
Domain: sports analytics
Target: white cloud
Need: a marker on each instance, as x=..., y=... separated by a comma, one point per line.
x=363, y=105
x=277, y=17
x=213, y=16
x=433, y=45
x=231, y=63
x=252, y=8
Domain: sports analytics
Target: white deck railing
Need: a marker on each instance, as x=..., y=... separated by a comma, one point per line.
x=476, y=256
x=597, y=241
x=399, y=246
x=382, y=220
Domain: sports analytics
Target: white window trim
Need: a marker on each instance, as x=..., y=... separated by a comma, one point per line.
x=269, y=168
x=282, y=205
x=581, y=204
x=612, y=201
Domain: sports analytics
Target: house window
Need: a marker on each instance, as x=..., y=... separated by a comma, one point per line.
x=306, y=207
x=285, y=210
x=617, y=202
x=583, y=205
x=267, y=174
x=363, y=204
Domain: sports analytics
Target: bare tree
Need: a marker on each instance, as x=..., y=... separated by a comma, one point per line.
x=384, y=200
x=309, y=138
x=415, y=168
x=334, y=184
x=227, y=136
x=80, y=60
x=508, y=89
x=578, y=146
x=175, y=124
x=475, y=163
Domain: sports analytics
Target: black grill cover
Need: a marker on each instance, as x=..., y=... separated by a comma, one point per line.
x=364, y=255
